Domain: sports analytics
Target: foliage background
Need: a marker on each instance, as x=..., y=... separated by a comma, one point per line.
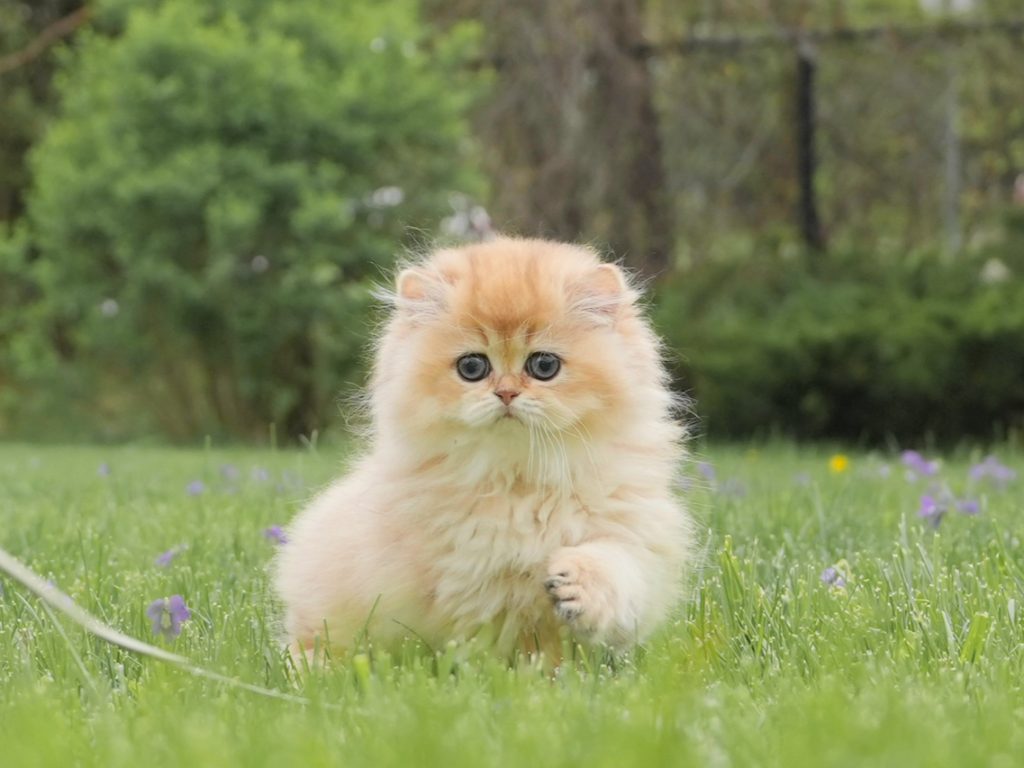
x=219, y=186
x=196, y=197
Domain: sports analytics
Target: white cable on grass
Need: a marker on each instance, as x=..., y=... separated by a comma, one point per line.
x=52, y=596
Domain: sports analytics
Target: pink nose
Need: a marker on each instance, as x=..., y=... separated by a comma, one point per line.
x=507, y=395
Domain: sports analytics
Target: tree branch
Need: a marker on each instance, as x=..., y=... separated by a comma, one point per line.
x=53, y=33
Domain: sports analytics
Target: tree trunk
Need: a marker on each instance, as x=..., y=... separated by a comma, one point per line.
x=626, y=126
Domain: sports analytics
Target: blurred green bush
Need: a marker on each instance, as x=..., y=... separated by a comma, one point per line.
x=222, y=183
x=854, y=346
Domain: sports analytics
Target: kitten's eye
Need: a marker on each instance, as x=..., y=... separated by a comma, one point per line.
x=473, y=367
x=543, y=365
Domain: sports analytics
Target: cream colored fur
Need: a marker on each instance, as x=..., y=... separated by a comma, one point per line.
x=467, y=516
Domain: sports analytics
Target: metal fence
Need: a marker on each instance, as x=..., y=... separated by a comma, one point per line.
x=903, y=137
x=878, y=138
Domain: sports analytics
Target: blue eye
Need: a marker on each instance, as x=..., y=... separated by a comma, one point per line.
x=543, y=366
x=473, y=367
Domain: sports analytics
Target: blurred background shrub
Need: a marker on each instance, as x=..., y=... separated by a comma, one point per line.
x=221, y=183
x=826, y=199
x=860, y=346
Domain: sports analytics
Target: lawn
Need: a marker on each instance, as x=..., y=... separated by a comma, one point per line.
x=909, y=652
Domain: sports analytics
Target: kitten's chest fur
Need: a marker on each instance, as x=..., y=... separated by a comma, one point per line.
x=489, y=548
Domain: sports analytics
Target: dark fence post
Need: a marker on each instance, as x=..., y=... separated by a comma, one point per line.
x=810, y=225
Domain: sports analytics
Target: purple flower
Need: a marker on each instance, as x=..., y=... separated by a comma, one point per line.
x=968, y=506
x=167, y=615
x=229, y=472
x=917, y=465
x=833, y=577
x=992, y=469
x=104, y=470
x=260, y=474
x=276, y=534
x=195, y=488
x=931, y=509
x=167, y=557
x=802, y=479
x=706, y=470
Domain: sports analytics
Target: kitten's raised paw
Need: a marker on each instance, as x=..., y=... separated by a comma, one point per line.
x=575, y=586
x=565, y=594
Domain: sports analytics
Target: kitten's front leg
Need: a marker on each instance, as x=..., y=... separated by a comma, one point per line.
x=599, y=589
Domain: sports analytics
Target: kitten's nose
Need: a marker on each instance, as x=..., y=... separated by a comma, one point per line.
x=506, y=395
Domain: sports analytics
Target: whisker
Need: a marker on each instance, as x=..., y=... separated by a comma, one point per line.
x=577, y=430
x=558, y=447
x=529, y=451
x=548, y=460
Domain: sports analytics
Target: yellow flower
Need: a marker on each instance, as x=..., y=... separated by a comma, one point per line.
x=839, y=463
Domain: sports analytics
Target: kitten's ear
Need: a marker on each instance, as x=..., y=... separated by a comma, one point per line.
x=603, y=292
x=608, y=280
x=411, y=284
x=420, y=292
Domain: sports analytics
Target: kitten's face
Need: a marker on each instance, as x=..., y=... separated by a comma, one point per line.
x=511, y=335
x=536, y=378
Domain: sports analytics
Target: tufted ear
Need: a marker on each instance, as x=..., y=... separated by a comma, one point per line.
x=421, y=292
x=603, y=292
x=411, y=284
x=608, y=280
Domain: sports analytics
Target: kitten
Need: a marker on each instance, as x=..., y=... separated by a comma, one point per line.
x=519, y=473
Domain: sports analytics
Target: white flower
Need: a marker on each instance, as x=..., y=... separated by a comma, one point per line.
x=994, y=271
x=387, y=197
x=456, y=225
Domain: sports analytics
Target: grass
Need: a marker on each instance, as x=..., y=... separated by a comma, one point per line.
x=919, y=660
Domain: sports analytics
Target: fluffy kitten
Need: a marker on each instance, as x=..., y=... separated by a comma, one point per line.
x=520, y=466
